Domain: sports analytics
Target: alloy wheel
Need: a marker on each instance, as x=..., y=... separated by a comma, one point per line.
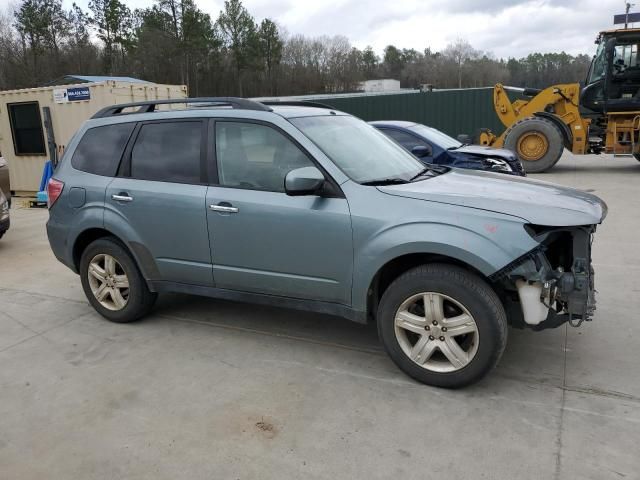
x=436, y=332
x=109, y=282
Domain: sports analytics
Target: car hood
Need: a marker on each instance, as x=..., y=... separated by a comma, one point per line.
x=482, y=151
x=537, y=202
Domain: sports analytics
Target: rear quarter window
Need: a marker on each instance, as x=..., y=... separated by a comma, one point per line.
x=101, y=148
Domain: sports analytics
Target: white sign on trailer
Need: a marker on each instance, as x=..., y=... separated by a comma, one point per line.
x=60, y=95
x=71, y=94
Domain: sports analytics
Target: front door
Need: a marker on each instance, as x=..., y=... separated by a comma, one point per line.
x=263, y=240
x=159, y=201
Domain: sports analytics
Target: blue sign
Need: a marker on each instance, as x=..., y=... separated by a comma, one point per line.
x=78, y=93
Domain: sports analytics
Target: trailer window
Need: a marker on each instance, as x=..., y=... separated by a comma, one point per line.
x=26, y=128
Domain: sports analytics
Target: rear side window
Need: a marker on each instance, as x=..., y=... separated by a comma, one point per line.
x=168, y=152
x=100, y=149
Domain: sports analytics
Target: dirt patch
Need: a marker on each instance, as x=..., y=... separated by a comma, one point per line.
x=267, y=428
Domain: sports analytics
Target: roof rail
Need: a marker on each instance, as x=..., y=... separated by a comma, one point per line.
x=150, y=105
x=296, y=103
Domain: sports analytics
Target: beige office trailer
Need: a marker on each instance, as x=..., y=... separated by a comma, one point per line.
x=25, y=138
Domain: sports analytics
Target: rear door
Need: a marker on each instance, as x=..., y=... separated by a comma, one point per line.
x=263, y=240
x=158, y=200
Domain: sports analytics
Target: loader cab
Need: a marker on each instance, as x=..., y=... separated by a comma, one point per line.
x=613, y=80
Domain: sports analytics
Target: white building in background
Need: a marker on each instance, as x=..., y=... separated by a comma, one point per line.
x=382, y=85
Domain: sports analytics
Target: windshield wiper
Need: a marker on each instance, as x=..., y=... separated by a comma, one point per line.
x=385, y=181
x=421, y=173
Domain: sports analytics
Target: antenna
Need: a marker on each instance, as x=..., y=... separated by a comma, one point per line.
x=626, y=17
x=626, y=14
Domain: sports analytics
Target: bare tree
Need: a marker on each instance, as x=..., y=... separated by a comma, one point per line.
x=460, y=52
x=174, y=42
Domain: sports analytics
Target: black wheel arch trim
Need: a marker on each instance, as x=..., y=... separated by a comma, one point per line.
x=141, y=255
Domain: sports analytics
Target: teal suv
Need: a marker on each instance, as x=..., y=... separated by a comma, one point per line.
x=302, y=206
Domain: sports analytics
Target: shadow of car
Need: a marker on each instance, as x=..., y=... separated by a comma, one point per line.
x=435, y=147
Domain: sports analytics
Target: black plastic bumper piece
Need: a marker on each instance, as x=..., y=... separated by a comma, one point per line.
x=4, y=225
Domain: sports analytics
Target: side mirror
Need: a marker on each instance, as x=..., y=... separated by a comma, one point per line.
x=421, y=151
x=303, y=181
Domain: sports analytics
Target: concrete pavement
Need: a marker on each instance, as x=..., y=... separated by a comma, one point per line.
x=206, y=389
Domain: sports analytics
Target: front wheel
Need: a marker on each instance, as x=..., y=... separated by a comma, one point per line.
x=442, y=325
x=537, y=142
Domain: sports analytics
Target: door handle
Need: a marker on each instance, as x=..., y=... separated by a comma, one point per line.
x=122, y=197
x=224, y=207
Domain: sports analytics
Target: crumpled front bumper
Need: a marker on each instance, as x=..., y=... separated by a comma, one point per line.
x=555, y=282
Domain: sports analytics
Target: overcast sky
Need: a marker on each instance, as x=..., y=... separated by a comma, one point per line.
x=503, y=27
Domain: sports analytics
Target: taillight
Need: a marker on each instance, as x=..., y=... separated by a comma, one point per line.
x=54, y=189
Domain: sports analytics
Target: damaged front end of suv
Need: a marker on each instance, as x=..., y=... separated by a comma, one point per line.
x=553, y=283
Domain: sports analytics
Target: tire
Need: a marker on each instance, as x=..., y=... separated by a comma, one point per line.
x=537, y=142
x=636, y=156
x=463, y=295
x=138, y=300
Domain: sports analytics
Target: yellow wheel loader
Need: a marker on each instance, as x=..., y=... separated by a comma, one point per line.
x=602, y=117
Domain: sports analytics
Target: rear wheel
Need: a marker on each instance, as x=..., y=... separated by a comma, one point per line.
x=537, y=142
x=442, y=325
x=636, y=156
x=113, y=283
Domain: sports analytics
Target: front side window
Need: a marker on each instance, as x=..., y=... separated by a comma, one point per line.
x=407, y=140
x=168, y=152
x=26, y=128
x=101, y=148
x=358, y=149
x=255, y=156
x=436, y=137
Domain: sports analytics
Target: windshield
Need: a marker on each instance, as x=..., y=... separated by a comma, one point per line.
x=598, y=64
x=358, y=149
x=442, y=140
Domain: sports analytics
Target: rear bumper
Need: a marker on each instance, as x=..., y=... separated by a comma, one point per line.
x=58, y=235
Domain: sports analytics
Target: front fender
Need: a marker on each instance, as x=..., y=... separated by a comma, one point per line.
x=487, y=249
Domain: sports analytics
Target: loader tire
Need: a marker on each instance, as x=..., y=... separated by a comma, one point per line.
x=537, y=142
